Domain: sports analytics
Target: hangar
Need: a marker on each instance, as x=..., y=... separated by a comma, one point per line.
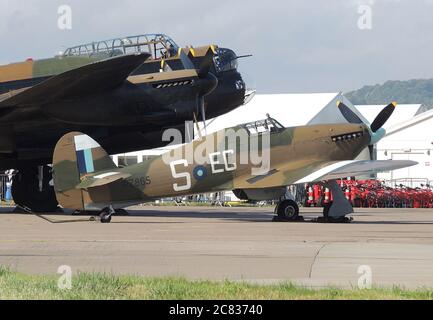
x=409, y=137
x=409, y=133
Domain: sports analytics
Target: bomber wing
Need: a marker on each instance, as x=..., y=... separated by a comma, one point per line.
x=92, y=78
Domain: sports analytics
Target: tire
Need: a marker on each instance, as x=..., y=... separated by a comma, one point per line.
x=105, y=216
x=288, y=210
x=106, y=219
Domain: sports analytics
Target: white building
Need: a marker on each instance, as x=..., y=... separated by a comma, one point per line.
x=410, y=135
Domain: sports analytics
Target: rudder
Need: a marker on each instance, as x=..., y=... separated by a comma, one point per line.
x=76, y=155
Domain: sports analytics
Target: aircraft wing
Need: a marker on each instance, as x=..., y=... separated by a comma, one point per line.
x=288, y=175
x=344, y=169
x=89, y=79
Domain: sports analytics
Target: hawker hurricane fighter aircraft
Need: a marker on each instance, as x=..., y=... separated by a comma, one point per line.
x=124, y=92
x=257, y=160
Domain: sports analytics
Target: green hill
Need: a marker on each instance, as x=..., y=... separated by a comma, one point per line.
x=404, y=92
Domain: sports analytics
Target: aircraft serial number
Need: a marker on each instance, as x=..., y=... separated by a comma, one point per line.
x=143, y=181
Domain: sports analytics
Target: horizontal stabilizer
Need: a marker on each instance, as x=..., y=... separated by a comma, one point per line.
x=89, y=79
x=344, y=169
x=102, y=180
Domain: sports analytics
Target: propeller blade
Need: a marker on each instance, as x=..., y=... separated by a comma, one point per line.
x=197, y=126
x=383, y=117
x=203, y=114
x=191, y=53
x=348, y=114
x=207, y=63
x=186, y=61
x=165, y=67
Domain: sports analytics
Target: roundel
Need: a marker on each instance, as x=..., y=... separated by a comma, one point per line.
x=200, y=173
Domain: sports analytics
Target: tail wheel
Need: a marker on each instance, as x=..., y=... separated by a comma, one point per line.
x=288, y=210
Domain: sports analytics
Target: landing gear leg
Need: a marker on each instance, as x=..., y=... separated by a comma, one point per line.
x=106, y=214
x=336, y=211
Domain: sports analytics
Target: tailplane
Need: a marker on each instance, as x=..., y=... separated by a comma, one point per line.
x=76, y=156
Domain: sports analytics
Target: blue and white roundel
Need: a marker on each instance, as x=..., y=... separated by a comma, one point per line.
x=200, y=173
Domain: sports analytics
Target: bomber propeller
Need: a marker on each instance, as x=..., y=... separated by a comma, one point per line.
x=206, y=81
x=203, y=74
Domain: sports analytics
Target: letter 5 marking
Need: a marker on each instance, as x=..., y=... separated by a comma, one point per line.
x=183, y=175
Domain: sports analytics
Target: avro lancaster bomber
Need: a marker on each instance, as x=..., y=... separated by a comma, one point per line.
x=124, y=92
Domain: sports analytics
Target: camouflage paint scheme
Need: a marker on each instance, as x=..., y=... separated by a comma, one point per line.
x=28, y=73
x=294, y=153
x=108, y=98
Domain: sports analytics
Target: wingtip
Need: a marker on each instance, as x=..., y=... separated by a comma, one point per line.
x=339, y=103
x=394, y=103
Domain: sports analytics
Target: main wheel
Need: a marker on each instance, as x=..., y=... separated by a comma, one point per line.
x=28, y=193
x=105, y=216
x=288, y=210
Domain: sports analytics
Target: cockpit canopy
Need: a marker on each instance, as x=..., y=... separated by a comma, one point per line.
x=262, y=126
x=158, y=45
x=225, y=60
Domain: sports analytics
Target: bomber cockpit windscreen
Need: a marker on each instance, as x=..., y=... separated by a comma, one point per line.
x=225, y=60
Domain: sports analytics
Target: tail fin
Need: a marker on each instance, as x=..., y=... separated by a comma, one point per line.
x=75, y=156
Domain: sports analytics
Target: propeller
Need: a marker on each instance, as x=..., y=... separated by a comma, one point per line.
x=383, y=117
x=201, y=109
x=186, y=61
x=377, y=132
x=207, y=62
x=205, y=82
x=208, y=80
x=205, y=65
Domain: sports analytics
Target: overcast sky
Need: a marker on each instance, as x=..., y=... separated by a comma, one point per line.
x=298, y=45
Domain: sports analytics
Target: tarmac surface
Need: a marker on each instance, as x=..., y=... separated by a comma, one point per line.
x=227, y=243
